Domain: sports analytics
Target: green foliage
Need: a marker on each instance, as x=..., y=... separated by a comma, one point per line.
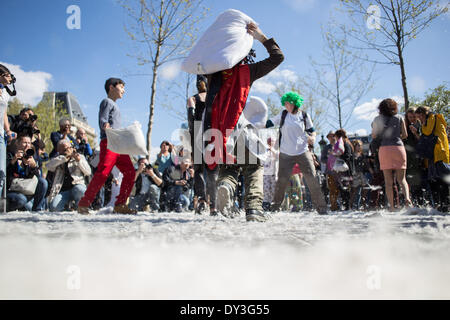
x=438, y=99
x=14, y=106
x=48, y=118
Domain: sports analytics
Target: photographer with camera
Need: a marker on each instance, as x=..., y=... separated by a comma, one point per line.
x=69, y=169
x=178, y=181
x=62, y=134
x=26, y=188
x=148, y=184
x=40, y=155
x=83, y=144
x=25, y=124
x=6, y=78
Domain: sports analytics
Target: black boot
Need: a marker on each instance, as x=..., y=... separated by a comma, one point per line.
x=256, y=215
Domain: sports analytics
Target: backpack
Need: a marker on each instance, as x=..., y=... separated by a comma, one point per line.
x=283, y=118
x=425, y=145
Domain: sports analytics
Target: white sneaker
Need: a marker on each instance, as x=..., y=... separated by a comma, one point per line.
x=224, y=202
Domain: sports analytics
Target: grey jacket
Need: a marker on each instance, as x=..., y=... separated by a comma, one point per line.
x=77, y=171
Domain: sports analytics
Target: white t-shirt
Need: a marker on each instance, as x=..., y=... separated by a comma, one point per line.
x=294, y=139
x=4, y=98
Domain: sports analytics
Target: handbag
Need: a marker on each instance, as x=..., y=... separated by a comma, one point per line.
x=340, y=165
x=425, y=145
x=26, y=187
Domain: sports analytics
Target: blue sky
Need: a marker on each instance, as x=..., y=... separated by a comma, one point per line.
x=50, y=57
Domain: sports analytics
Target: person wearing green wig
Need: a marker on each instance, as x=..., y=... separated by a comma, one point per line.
x=296, y=133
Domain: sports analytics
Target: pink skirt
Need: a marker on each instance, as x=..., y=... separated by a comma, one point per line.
x=392, y=157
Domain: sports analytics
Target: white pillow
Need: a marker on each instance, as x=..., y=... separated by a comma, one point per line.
x=222, y=46
x=129, y=140
x=256, y=111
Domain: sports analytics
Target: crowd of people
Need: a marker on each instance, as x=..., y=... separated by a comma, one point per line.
x=396, y=171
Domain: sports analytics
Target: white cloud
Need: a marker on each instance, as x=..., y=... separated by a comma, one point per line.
x=30, y=85
x=170, y=70
x=267, y=84
x=301, y=5
x=263, y=86
x=417, y=85
x=369, y=110
x=361, y=132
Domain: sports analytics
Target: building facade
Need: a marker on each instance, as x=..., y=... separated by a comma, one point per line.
x=76, y=116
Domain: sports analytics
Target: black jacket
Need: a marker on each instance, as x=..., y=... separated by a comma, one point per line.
x=138, y=182
x=173, y=174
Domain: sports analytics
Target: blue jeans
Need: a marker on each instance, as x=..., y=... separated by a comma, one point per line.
x=175, y=195
x=18, y=201
x=2, y=163
x=151, y=197
x=75, y=194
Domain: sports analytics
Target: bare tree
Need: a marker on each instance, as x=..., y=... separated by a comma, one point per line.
x=163, y=31
x=387, y=26
x=342, y=80
x=176, y=95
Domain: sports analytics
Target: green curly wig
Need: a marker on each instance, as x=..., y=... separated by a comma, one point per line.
x=292, y=97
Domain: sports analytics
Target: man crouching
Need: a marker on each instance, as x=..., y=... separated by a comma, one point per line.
x=70, y=168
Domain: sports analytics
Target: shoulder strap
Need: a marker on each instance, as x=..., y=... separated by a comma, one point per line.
x=283, y=118
x=304, y=115
x=435, y=121
x=197, y=99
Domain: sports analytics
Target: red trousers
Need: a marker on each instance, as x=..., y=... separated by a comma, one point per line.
x=108, y=160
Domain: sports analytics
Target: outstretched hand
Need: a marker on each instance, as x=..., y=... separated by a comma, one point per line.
x=256, y=32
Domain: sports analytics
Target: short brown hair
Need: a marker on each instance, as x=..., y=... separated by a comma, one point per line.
x=423, y=110
x=341, y=133
x=388, y=107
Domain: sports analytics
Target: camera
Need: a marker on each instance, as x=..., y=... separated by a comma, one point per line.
x=28, y=130
x=28, y=154
x=33, y=118
x=187, y=186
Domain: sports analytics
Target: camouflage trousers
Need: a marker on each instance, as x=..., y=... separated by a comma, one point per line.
x=253, y=182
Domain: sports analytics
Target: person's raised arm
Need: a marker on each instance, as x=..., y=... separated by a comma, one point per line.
x=261, y=68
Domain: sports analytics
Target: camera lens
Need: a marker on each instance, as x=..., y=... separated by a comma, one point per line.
x=29, y=153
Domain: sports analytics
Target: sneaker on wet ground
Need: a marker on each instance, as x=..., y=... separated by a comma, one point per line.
x=224, y=202
x=123, y=209
x=83, y=210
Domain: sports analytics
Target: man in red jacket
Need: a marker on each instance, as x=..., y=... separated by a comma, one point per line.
x=225, y=101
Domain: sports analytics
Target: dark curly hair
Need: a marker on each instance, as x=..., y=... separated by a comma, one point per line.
x=388, y=107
